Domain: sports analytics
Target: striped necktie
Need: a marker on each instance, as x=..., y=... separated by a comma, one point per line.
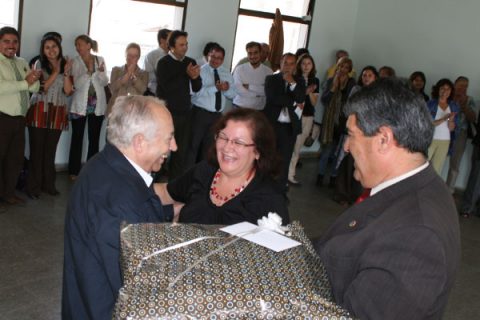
x=23, y=94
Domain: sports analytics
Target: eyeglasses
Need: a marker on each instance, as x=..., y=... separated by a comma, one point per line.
x=222, y=140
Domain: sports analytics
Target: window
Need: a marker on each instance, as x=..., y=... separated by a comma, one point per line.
x=255, y=19
x=116, y=23
x=10, y=13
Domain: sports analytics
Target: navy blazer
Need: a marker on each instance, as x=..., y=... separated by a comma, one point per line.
x=279, y=97
x=395, y=255
x=107, y=192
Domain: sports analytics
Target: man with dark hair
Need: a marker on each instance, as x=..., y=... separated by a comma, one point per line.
x=16, y=81
x=176, y=75
x=209, y=103
x=206, y=50
x=249, y=79
x=386, y=72
x=395, y=254
x=264, y=52
x=151, y=59
x=285, y=94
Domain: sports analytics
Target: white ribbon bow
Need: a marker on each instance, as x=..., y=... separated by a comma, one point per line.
x=273, y=222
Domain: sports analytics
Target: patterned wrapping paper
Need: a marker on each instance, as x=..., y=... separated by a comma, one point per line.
x=219, y=277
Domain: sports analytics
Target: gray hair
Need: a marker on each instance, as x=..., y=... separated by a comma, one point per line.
x=390, y=103
x=132, y=115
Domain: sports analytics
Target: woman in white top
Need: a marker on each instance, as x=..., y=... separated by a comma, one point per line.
x=443, y=110
x=88, y=102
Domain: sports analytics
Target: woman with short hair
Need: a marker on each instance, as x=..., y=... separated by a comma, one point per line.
x=444, y=114
x=128, y=79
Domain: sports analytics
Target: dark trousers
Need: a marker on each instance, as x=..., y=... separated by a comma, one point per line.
x=177, y=164
x=285, y=144
x=12, y=147
x=41, y=167
x=78, y=128
x=201, y=134
x=471, y=196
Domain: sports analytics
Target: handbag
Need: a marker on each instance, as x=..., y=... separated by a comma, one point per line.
x=308, y=142
x=108, y=93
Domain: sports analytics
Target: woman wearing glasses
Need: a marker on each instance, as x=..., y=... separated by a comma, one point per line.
x=236, y=183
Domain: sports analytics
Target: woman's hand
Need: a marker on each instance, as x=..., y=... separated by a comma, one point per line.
x=311, y=88
x=451, y=121
x=68, y=66
x=101, y=67
x=177, y=207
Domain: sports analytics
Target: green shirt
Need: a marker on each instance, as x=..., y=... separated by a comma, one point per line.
x=10, y=87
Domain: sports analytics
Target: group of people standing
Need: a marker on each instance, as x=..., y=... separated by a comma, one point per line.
x=50, y=78
x=453, y=112
x=376, y=255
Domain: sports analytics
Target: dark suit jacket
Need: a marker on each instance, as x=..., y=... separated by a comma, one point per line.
x=279, y=97
x=395, y=255
x=108, y=191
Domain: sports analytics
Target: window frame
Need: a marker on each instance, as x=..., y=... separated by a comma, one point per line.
x=269, y=15
x=18, y=27
x=175, y=3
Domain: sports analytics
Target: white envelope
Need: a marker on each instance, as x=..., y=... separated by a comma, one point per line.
x=263, y=237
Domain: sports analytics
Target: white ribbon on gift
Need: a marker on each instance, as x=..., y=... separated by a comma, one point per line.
x=273, y=223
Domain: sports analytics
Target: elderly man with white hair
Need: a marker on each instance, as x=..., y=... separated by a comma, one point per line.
x=114, y=187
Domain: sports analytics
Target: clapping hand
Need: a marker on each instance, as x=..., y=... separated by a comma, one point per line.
x=68, y=66
x=451, y=121
x=222, y=85
x=193, y=71
x=311, y=88
x=101, y=68
x=32, y=76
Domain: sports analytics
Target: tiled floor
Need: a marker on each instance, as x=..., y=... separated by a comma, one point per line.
x=31, y=250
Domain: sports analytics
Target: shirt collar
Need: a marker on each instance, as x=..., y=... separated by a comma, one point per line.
x=170, y=53
x=144, y=174
x=395, y=180
x=2, y=57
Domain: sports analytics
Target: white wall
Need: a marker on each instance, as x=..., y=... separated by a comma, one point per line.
x=211, y=20
x=70, y=18
x=333, y=27
x=438, y=37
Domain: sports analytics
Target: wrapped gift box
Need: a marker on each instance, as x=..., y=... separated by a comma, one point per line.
x=188, y=271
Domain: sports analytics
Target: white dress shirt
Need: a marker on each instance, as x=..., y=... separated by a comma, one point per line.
x=254, y=96
x=404, y=176
x=150, y=65
x=144, y=174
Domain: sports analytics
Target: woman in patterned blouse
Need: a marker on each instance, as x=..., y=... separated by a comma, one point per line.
x=47, y=116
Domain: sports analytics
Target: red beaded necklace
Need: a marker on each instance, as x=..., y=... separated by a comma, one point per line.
x=213, y=188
